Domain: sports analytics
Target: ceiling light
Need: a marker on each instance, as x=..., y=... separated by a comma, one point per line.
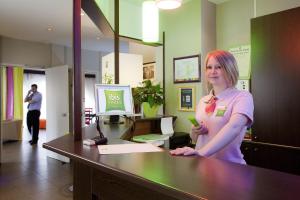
x=150, y=22
x=81, y=13
x=168, y=4
x=49, y=28
x=98, y=38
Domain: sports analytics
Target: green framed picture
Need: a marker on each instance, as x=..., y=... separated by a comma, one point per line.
x=186, y=98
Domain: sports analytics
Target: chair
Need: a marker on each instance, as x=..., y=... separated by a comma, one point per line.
x=42, y=123
x=157, y=139
x=88, y=115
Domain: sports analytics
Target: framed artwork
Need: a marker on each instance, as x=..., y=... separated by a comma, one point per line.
x=186, y=98
x=148, y=71
x=187, y=69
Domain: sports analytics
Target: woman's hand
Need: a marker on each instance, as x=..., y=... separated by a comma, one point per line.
x=199, y=130
x=186, y=151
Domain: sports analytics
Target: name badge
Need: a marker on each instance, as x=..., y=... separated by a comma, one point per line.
x=221, y=111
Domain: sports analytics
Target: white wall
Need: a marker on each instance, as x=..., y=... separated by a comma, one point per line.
x=147, y=51
x=21, y=52
x=41, y=55
x=130, y=68
x=58, y=55
x=108, y=69
x=150, y=54
x=91, y=60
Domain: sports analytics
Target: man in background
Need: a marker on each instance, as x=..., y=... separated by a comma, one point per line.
x=34, y=99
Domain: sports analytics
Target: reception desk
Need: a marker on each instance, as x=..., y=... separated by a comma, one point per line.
x=162, y=176
x=11, y=129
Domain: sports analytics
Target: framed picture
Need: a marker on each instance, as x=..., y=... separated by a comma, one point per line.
x=148, y=71
x=186, y=98
x=243, y=84
x=187, y=69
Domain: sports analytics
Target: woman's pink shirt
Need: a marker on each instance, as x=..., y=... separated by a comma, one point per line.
x=230, y=102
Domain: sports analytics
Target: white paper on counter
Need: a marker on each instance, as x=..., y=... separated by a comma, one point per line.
x=127, y=148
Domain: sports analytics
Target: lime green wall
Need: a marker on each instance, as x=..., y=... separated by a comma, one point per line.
x=131, y=19
x=130, y=16
x=182, y=29
x=233, y=23
x=183, y=38
x=233, y=18
x=264, y=7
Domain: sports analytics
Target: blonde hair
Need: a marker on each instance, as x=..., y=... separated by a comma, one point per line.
x=228, y=65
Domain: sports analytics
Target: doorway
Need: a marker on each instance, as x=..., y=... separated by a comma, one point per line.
x=37, y=77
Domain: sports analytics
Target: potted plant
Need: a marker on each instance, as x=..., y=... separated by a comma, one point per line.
x=150, y=96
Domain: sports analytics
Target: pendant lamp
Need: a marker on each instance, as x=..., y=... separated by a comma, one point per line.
x=168, y=4
x=150, y=22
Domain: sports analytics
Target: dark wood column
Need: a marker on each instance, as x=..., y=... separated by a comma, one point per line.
x=0, y=113
x=77, y=69
x=116, y=42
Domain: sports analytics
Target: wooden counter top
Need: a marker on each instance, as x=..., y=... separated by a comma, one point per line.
x=179, y=177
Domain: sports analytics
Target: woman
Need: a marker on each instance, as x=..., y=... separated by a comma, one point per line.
x=224, y=114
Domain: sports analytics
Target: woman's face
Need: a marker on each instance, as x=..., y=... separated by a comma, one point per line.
x=214, y=73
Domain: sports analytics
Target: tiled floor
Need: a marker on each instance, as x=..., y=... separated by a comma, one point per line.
x=27, y=173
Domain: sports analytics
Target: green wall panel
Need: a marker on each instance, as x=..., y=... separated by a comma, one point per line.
x=183, y=38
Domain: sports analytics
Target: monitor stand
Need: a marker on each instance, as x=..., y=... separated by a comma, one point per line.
x=114, y=119
x=99, y=139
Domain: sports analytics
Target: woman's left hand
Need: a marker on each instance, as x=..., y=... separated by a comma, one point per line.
x=186, y=151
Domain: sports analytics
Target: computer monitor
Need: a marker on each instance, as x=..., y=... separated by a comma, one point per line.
x=113, y=99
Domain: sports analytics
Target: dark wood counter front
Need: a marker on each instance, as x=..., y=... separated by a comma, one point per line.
x=161, y=176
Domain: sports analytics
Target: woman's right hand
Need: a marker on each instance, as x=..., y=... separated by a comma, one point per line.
x=199, y=130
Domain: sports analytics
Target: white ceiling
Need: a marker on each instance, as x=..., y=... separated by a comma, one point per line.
x=139, y=2
x=30, y=19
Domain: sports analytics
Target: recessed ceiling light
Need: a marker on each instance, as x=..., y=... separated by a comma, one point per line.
x=168, y=4
x=81, y=13
x=98, y=38
x=49, y=28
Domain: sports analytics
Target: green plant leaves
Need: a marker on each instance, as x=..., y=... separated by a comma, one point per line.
x=153, y=94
